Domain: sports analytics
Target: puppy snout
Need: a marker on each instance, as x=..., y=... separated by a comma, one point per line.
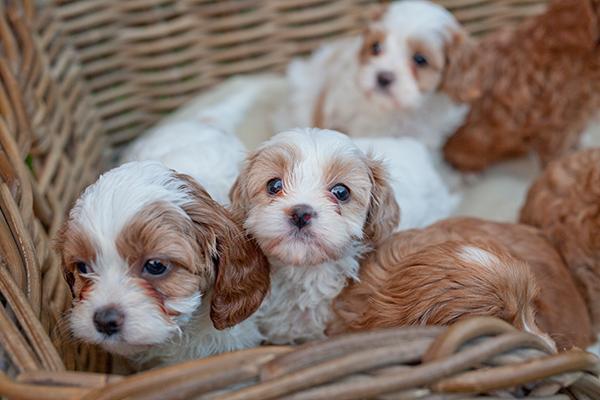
x=109, y=320
x=385, y=79
x=301, y=215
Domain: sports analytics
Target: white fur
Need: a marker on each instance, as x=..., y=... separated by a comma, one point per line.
x=102, y=211
x=298, y=307
x=419, y=190
x=202, y=143
x=199, y=339
x=479, y=256
x=353, y=105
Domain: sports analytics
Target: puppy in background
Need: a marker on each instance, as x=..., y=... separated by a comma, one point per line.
x=465, y=267
x=158, y=270
x=419, y=189
x=533, y=87
x=383, y=83
x=315, y=204
x=564, y=202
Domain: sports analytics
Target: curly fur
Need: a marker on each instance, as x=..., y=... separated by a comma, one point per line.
x=464, y=267
x=564, y=202
x=531, y=88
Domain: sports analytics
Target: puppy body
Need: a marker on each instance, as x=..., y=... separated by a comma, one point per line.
x=564, y=203
x=158, y=269
x=532, y=87
x=337, y=87
x=202, y=144
x=420, y=192
x=463, y=267
x=314, y=203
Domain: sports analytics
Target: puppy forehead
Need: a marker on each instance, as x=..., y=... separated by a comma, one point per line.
x=317, y=147
x=118, y=195
x=418, y=18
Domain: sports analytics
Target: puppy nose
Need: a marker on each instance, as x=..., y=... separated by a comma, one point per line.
x=385, y=79
x=108, y=320
x=301, y=215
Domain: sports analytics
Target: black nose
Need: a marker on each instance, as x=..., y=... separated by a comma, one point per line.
x=108, y=320
x=301, y=215
x=385, y=79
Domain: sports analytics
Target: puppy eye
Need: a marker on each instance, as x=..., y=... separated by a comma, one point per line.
x=274, y=186
x=376, y=48
x=82, y=267
x=341, y=192
x=420, y=60
x=155, y=268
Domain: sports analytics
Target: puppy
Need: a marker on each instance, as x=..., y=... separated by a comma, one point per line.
x=382, y=83
x=314, y=203
x=564, y=203
x=464, y=267
x=419, y=189
x=159, y=271
x=531, y=87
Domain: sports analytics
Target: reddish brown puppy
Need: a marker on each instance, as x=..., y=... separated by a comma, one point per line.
x=564, y=203
x=467, y=267
x=533, y=87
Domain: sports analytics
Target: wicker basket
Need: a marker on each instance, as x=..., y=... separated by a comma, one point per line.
x=78, y=77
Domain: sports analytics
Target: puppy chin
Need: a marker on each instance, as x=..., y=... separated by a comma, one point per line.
x=302, y=251
x=116, y=346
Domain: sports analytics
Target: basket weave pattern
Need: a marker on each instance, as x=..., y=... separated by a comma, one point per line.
x=79, y=76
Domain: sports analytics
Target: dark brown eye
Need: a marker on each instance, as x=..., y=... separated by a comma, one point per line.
x=82, y=267
x=155, y=268
x=420, y=60
x=274, y=186
x=376, y=48
x=341, y=192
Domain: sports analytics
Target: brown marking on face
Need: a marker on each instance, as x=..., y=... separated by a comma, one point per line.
x=275, y=161
x=371, y=39
x=160, y=231
x=74, y=245
x=428, y=77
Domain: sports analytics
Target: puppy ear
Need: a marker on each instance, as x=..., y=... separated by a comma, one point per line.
x=376, y=12
x=462, y=79
x=384, y=212
x=59, y=246
x=242, y=271
x=238, y=194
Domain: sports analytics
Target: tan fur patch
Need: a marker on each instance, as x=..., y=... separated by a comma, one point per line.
x=370, y=38
x=161, y=232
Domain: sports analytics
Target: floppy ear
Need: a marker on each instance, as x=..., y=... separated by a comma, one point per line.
x=384, y=213
x=238, y=194
x=463, y=75
x=242, y=271
x=59, y=246
x=376, y=12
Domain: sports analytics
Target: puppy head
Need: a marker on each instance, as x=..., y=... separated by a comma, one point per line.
x=143, y=248
x=403, y=54
x=310, y=196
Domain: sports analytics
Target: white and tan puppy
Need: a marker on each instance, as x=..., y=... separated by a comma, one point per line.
x=315, y=203
x=382, y=83
x=159, y=271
